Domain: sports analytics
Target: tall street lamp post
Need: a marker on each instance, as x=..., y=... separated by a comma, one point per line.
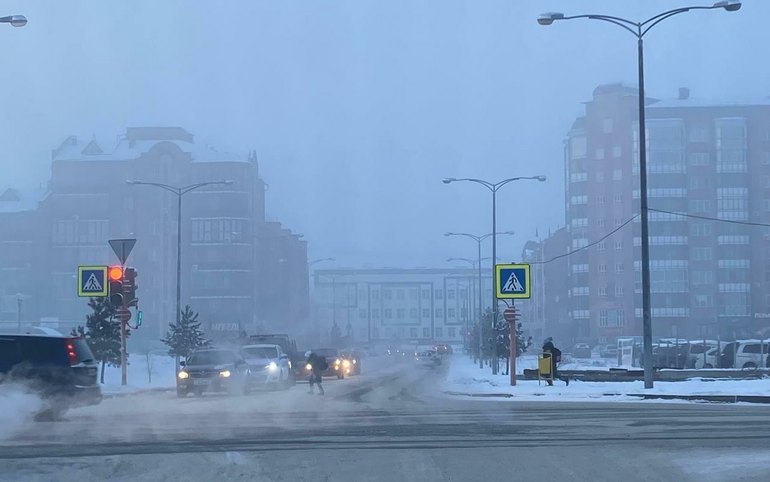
x=639, y=30
x=479, y=240
x=493, y=188
x=179, y=191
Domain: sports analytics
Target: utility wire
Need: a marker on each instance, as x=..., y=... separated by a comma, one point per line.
x=590, y=245
x=707, y=218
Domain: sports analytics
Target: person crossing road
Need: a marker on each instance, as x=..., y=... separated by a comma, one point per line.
x=317, y=366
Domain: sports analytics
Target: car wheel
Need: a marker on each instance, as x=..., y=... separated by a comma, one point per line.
x=749, y=365
x=181, y=393
x=708, y=365
x=340, y=376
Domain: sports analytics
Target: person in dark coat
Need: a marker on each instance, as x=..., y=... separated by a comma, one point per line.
x=317, y=366
x=548, y=347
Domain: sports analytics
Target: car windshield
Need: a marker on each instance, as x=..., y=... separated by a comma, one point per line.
x=326, y=352
x=260, y=352
x=211, y=358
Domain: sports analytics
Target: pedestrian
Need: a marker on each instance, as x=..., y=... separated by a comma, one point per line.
x=317, y=366
x=548, y=347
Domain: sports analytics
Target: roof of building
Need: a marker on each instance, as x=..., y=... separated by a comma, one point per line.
x=700, y=102
x=138, y=141
x=14, y=200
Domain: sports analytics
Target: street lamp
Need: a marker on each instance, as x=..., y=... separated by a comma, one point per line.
x=14, y=20
x=494, y=187
x=479, y=240
x=179, y=191
x=639, y=30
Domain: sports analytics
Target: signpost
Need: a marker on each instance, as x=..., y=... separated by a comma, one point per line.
x=122, y=248
x=92, y=281
x=512, y=282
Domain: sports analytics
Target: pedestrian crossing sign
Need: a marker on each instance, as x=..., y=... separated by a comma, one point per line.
x=512, y=281
x=92, y=281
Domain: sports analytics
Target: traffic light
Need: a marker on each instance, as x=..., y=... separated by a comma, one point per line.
x=129, y=287
x=115, y=275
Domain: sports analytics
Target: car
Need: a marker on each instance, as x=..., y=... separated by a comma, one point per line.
x=212, y=370
x=443, y=349
x=60, y=369
x=609, y=351
x=745, y=354
x=427, y=358
x=268, y=366
x=337, y=366
x=581, y=350
x=354, y=357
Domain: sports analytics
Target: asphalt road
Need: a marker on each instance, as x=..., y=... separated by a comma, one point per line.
x=392, y=423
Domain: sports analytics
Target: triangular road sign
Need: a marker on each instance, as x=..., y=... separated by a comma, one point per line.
x=122, y=248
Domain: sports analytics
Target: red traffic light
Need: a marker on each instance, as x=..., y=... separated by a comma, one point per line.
x=115, y=273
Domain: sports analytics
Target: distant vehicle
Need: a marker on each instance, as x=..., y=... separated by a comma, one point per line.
x=703, y=353
x=337, y=365
x=287, y=344
x=581, y=350
x=671, y=353
x=60, y=369
x=745, y=354
x=268, y=366
x=428, y=358
x=609, y=351
x=443, y=349
x=354, y=357
x=213, y=370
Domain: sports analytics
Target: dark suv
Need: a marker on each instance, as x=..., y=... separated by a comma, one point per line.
x=213, y=370
x=60, y=369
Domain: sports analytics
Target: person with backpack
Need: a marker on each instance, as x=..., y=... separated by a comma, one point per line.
x=548, y=347
x=318, y=365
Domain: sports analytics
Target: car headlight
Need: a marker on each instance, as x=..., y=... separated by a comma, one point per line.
x=355, y=361
x=337, y=361
x=225, y=374
x=308, y=367
x=183, y=375
x=272, y=366
x=346, y=363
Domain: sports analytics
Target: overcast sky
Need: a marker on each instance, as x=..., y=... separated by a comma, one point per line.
x=357, y=109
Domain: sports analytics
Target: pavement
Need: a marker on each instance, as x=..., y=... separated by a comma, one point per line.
x=392, y=423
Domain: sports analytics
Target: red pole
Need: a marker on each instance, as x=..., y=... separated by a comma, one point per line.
x=512, y=343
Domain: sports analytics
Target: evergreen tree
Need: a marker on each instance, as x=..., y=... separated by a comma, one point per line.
x=102, y=332
x=184, y=338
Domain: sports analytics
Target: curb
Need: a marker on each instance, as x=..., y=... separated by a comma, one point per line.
x=762, y=399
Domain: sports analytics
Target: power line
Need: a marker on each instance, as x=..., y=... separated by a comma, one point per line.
x=707, y=218
x=590, y=245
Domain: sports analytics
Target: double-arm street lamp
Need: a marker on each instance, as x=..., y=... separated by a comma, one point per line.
x=639, y=30
x=493, y=188
x=179, y=192
x=14, y=20
x=479, y=240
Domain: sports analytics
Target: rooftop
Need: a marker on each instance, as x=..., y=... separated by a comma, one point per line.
x=14, y=200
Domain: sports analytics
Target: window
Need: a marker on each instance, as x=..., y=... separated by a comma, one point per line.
x=451, y=312
x=362, y=313
x=599, y=154
x=766, y=182
x=731, y=145
x=413, y=313
x=618, y=198
x=607, y=126
x=700, y=206
x=452, y=332
x=401, y=313
x=618, y=222
x=580, y=268
x=400, y=295
x=699, y=158
x=578, y=200
x=602, y=291
x=387, y=294
x=426, y=312
x=439, y=312
x=732, y=203
x=621, y=318
x=450, y=294
x=601, y=222
x=618, y=245
x=579, y=243
x=579, y=222
x=439, y=333
x=414, y=294
x=412, y=332
x=375, y=295
x=603, y=318
x=602, y=246
x=666, y=146
x=439, y=294
x=375, y=314
x=578, y=177
x=602, y=268
x=617, y=174
x=618, y=291
x=426, y=332
x=704, y=301
x=601, y=199
x=617, y=151
x=698, y=182
x=619, y=267
x=580, y=291
x=698, y=133
x=701, y=229
x=700, y=278
x=426, y=294
x=388, y=313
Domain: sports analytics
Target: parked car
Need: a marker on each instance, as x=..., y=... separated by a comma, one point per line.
x=268, y=366
x=213, y=370
x=60, y=369
x=703, y=354
x=581, y=350
x=745, y=354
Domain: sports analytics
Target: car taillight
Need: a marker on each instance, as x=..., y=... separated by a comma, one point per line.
x=71, y=355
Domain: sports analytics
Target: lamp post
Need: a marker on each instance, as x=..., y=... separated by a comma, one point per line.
x=479, y=240
x=493, y=188
x=639, y=30
x=19, y=303
x=179, y=191
x=14, y=20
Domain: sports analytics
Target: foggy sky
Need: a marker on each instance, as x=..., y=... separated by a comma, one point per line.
x=357, y=109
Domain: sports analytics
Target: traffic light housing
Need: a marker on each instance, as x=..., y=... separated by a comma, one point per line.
x=130, y=287
x=116, y=296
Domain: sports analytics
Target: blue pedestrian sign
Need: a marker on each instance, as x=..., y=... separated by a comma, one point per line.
x=92, y=281
x=512, y=281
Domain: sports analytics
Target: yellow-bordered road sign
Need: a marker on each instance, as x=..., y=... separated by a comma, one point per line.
x=92, y=281
x=512, y=281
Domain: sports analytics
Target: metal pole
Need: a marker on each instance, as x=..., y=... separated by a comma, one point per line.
x=512, y=343
x=494, y=295
x=179, y=258
x=19, y=302
x=481, y=311
x=123, y=375
x=646, y=308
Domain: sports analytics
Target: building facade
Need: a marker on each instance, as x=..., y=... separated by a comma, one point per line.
x=708, y=175
x=401, y=305
x=223, y=232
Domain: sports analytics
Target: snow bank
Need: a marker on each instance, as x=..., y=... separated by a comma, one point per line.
x=161, y=374
x=466, y=377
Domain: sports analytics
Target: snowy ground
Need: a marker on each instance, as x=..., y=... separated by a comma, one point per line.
x=465, y=377
x=160, y=374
